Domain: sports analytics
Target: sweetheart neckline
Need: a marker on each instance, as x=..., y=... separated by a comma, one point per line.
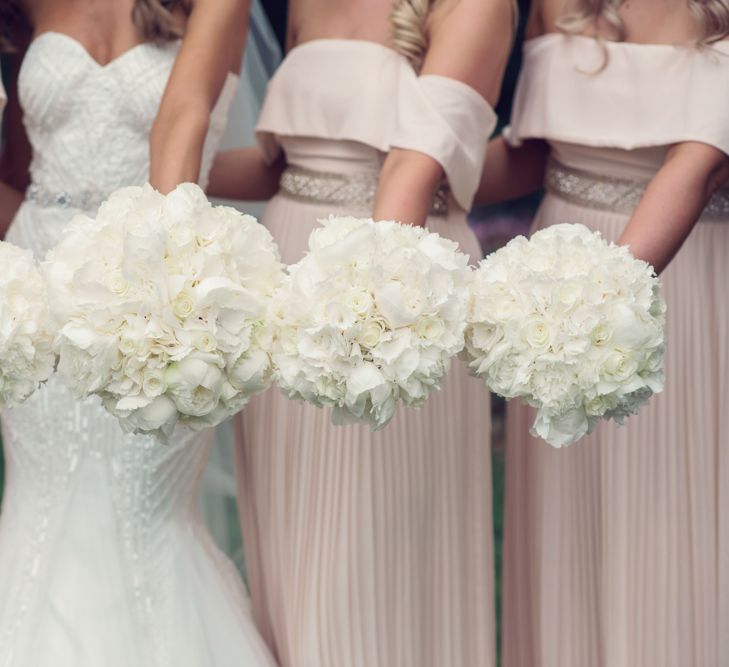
x=101, y=66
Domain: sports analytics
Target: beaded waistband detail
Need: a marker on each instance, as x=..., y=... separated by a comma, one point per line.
x=83, y=201
x=341, y=190
x=617, y=195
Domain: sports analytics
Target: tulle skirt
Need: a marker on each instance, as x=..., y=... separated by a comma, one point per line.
x=369, y=549
x=617, y=548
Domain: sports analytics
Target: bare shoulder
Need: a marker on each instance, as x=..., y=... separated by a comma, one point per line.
x=470, y=40
x=545, y=15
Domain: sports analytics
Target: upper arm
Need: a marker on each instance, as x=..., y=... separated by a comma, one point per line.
x=470, y=41
x=212, y=47
x=703, y=162
x=16, y=152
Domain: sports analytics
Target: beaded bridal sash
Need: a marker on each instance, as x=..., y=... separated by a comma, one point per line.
x=618, y=195
x=355, y=190
x=83, y=201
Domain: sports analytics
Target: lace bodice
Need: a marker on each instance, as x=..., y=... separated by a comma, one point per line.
x=96, y=523
x=88, y=123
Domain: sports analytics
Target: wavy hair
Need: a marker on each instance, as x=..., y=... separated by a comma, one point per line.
x=154, y=19
x=713, y=16
x=410, y=29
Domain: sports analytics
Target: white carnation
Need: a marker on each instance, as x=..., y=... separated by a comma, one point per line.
x=163, y=301
x=370, y=316
x=571, y=324
x=26, y=327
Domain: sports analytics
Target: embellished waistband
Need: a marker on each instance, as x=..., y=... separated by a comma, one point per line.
x=617, y=195
x=341, y=190
x=46, y=198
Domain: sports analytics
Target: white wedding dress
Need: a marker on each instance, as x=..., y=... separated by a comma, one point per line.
x=104, y=560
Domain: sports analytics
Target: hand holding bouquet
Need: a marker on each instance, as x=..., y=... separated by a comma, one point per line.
x=571, y=324
x=162, y=301
x=372, y=315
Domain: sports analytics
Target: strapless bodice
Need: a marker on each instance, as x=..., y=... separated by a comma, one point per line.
x=89, y=124
x=614, y=108
x=341, y=105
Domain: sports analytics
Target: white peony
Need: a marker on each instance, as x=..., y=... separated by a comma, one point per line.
x=372, y=315
x=26, y=327
x=571, y=324
x=162, y=302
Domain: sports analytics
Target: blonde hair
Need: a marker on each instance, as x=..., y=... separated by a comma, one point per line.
x=154, y=19
x=410, y=29
x=713, y=16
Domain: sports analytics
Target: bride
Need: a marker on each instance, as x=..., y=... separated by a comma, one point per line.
x=104, y=560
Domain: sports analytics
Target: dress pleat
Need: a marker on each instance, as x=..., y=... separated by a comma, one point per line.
x=616, y=548
x=369, y=549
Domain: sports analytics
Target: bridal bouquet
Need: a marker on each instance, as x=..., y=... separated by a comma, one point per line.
x=163, y=302
x=26, y=327
x=571, y=324
x=370, y=316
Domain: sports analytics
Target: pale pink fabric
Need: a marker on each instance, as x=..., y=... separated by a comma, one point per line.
x=364, y=549
x=617, y=548
x=3, y=97
x=644, y=95
x=380, y=102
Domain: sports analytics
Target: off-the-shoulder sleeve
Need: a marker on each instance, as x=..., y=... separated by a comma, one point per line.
x=365, y=92
x=449, y=121
x=331, y=89
x=621, y=95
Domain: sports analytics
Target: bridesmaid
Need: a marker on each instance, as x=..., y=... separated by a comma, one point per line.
x=369, y=548
x=617, y=549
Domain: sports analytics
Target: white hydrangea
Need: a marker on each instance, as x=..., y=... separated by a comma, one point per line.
x=163, y=302
x=571, y=324
x=26, y=327
x=370, y=316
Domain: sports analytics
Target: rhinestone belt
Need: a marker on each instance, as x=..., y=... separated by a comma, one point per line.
x=618, y=195
x=82, y=201
x=356, y=190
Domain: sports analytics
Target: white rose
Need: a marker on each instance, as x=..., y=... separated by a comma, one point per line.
x=360, y=302
x=618, y=366
x=371, y=333
x=159, y=415
x=194, y=384
x=561, y=430
x=153, y=384
x=183, y=305
x=537, y=332
x=205, y=341
x=430, y=327
x=250, y=373
x=601, y=334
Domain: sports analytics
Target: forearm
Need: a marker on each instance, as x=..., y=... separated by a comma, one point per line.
x=10, y=201
x=406, y=187
x=176, y=147
x=672, y=204
x=211, y=48
x=510, y=172
x=243, y=174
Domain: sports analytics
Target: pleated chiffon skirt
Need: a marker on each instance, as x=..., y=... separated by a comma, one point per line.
x=369, y=549
x=617, y=548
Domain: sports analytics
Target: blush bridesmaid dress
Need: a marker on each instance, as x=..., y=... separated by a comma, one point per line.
x=369, y=549
x=617, y=548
